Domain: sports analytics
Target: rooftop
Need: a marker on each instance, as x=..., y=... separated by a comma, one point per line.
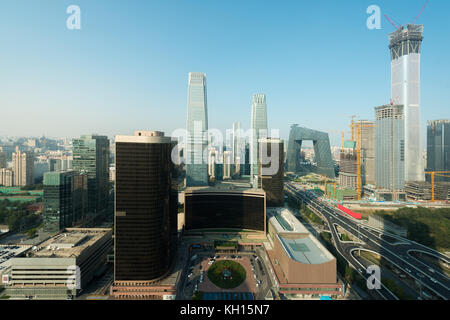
x=305, y=249
x=299, y=244
x=225, y=188
x=284, y=221
x=70, y=243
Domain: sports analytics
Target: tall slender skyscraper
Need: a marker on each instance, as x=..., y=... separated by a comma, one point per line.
x=197, y=126
x=258, y=130
x=237, y=148
x=404, y=45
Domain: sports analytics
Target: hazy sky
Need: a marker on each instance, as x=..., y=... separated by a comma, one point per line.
x=127, y=68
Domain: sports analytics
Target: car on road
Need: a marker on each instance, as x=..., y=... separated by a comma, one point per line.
x=431, y=270
x=407, y=270
x=433, y=280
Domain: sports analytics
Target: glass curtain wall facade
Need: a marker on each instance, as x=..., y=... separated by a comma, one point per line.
x=259, y=130
x=91, y=157
x=404, y=45
x=438, y=148
x=197, y=126
x=145, y=207
x=390, y=147
x=271, y=175
x=65, y=200
x=225, y=210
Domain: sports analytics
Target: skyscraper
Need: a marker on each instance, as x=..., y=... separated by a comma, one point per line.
x=271, y=170
x=145, y=208
x=65, y=200
x=91, y=157
x=197, y=126
x=404, y=45
x=390, y=147
x=237, y=148
x=259, y=129
x=367, y=140
x=438, y=148
x=23, y=168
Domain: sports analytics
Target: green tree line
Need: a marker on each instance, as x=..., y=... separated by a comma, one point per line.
x=16, y=216
x=430, y=227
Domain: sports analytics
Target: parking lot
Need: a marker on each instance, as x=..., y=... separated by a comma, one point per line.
x=9, y=251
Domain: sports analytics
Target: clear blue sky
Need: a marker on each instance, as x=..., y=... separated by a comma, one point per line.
x=127, y=68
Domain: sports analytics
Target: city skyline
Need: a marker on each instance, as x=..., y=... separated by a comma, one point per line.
x=141, y=99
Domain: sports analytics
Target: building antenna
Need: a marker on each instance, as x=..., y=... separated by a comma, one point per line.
x=420, y=13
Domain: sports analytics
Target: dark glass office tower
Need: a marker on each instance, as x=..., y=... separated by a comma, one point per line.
x=65, y=200
x=91, y=157
x=271, y=170
x=145, y=207
x=438, y=148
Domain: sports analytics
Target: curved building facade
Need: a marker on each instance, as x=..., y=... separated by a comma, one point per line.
x=145, y=207
x=216, y=208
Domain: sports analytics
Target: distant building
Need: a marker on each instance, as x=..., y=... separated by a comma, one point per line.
x=3, y=158
x=58, y=268
x=322, y=150
x=438, y=148
x=145, y=219
x=23, y=168
x=40, y=167
x=65, y=200
x=367, y=129
x=62, y=164
x=237, y=148
x=91, y=157
x=259, y=129
x=212, y=160
x=271, y=170
x=197, y=127
x=390, y=147
x=227, y=164
x=6, y=177
x=348, y=169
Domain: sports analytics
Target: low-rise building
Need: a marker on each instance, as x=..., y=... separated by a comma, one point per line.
x=304, y=268
x=58, y=268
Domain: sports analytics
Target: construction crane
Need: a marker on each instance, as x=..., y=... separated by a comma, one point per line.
x=353, y=120
x=421, y=11
x=358, y=126
x=415, y=20
x=433, y=174
x=392, y=22
x=342, y=137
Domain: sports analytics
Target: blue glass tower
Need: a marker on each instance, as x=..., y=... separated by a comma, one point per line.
x=197, y=126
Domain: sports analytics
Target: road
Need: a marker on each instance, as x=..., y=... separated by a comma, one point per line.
x=371, y=240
